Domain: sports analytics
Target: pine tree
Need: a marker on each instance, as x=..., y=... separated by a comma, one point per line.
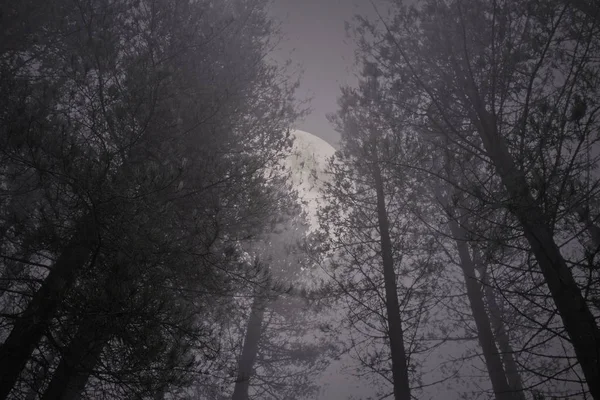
x=485, y=78
x=135, y=153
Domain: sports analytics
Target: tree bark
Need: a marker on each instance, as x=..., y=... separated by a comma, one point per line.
x=395, y=333
x=493, y=361
x=78, y=362
x=31, y=326
x=577, y=319
x=250, y=349
x=510, y=366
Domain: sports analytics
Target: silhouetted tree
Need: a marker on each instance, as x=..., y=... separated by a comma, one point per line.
x=506, y=89
x=382, y=264
x=136, y=141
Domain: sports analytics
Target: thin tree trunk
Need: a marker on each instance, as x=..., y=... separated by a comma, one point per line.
x=502, y=339
x=577, y=319
x=78, y=362
x=512, y=372
x=493, y=361
x=395, y=333
x=250, y=349
x=30, y=327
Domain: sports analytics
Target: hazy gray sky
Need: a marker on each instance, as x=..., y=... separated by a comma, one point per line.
x=316, y=40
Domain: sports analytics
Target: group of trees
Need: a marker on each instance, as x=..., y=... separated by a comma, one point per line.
x=140, y=192
x=464, y=200
x=152, y=245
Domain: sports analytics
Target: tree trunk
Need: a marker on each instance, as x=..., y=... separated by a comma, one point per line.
x=78, y=361
x=493, y=361
x=510, y=365
x=574, y=311
x=395, y=333
x=500, y=334
x=31, y=326
x=250, y=349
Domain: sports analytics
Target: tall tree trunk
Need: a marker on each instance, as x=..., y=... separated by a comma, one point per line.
x=500, y=334
x=33, y=322
x=493, y=361
x=395, y=333
x=510, y=365
x=577, y=319
x=78, y=361
x=250, y=348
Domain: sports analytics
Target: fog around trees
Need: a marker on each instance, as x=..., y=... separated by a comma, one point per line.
x=166, y=233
